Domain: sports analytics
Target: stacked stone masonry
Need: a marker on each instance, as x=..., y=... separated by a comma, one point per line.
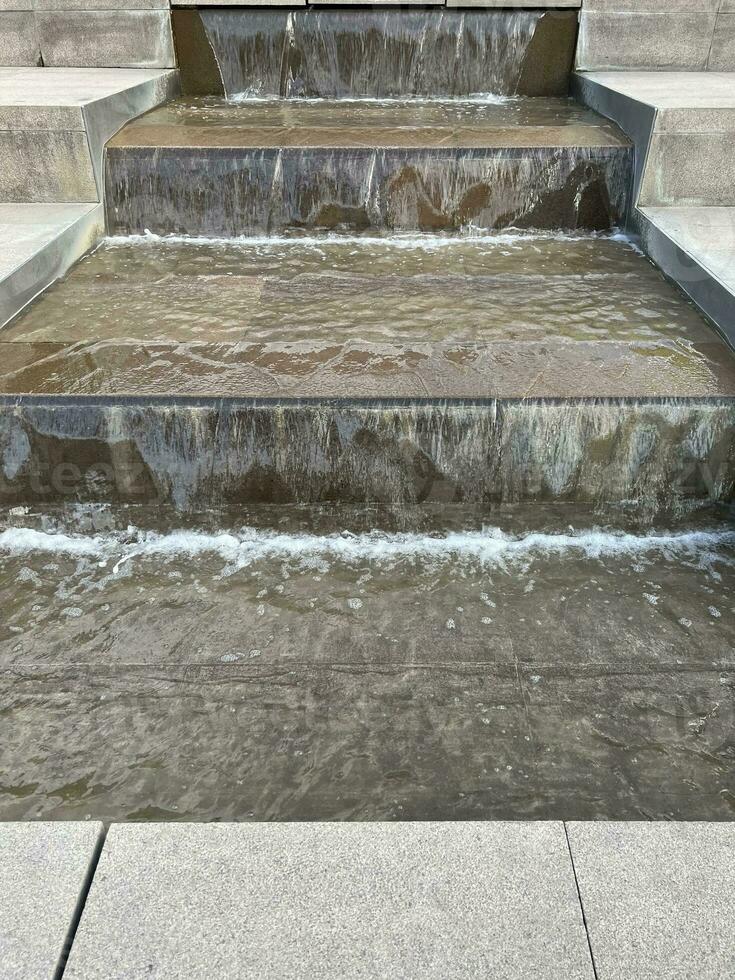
x=668, y=35
x=689, y=35
x=132, y=33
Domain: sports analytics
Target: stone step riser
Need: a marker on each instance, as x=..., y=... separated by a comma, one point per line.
x=232, y=454
x=233, y=191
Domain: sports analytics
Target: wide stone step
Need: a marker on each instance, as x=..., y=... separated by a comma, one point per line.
x=523, y=367
x=212, y=167
x=578, y=900
x=54, y=123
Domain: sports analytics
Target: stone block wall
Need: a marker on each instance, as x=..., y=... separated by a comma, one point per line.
x=685, y=35
x=666, y=35
x=86, y=33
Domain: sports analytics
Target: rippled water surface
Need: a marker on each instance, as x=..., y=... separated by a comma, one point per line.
x=406, y=289
x=345, y=664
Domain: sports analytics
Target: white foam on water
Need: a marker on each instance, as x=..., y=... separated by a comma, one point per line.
x=250, y=96
x=488, y=547
x=426, y=242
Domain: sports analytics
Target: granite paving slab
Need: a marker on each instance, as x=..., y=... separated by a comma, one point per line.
x=333, y=900
x=659, y=898
x=44, y=872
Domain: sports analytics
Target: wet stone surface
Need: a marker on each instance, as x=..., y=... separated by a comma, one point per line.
x=211, y=167
x=390, y=52
x=513, y=287
x=659, y=455
x=308, y=668
x=484, y=370
x=352, y=123
x=510, y=316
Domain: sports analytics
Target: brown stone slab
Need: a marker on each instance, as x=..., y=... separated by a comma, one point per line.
x=394, y=138
x=209, y=123
x=551, y=369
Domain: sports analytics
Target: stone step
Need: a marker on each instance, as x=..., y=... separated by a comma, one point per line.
x=211, y=167
x=339, y=901
x=203, y=357
x=696, y=248
x=683, y=125
x=54, y=123
x=578, y=900
x=657, y=897
x=38, y=244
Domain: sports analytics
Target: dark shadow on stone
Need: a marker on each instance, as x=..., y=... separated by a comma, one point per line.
x=198, y=68
x=81, y=470
x=582, y=203
x=549, y=58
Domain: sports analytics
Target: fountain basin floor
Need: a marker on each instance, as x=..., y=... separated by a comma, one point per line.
x=216, y=167
x=307, y=666
x=511, y=316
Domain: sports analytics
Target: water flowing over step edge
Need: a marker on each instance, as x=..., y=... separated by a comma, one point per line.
x=660, y=455
x=358, y=52
x=229, y=191
x=421, y=241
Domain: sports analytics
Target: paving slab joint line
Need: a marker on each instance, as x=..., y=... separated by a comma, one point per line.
x=79, y=910
x=581, y=903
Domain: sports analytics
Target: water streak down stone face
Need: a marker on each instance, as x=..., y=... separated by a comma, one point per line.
x=193, y=455
x=359, y=53
x=230, y=192
x=209, y=167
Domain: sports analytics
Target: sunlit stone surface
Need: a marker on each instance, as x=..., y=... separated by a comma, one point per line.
x=324, y=900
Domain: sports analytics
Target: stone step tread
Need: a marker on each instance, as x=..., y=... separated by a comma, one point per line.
x=355, y=899
x=55, y=98
x=367, y=124
x=528, y=287
x=671, y=90
x=39, y=243
x=707, y=235
x=44, y=869
x=659, y=898
x=26, y=229
x=507, y=370
x=508, y=317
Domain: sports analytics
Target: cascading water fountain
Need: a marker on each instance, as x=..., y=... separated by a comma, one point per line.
x=366, y=470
